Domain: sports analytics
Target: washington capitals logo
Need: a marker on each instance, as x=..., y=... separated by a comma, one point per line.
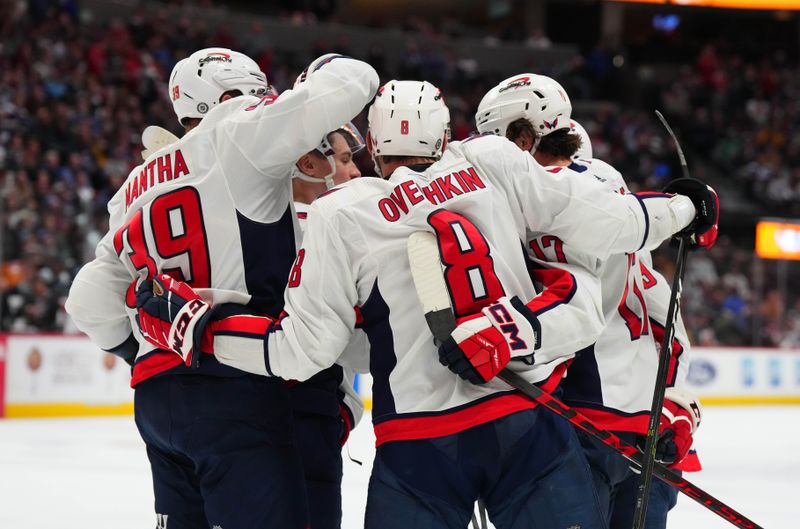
x=215, y=56
x=551, y=125
x=516, y=83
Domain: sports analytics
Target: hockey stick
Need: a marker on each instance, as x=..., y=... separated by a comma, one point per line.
x=646, y=478
x=426, y=269
x=155, y=138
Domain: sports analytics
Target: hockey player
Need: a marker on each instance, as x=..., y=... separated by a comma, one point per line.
x=313, y=176
x=656, y=297
x=214, y=209
x=319, y=430
x=611, y=381
x=460, y=441
x=320, y=427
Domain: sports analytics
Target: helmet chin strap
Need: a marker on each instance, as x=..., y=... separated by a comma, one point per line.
x=377, y=167
x=327, y=179
x=536, y=140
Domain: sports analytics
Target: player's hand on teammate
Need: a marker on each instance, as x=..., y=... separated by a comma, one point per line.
x=680, y=418
x=483, y=344
x=702, y=232
x=172, y=316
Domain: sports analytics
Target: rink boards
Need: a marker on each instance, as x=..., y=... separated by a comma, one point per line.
x=66, y=375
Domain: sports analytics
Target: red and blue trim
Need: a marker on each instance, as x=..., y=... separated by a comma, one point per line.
x=427, y=425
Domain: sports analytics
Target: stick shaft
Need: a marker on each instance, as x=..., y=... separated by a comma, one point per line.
x=646, y=478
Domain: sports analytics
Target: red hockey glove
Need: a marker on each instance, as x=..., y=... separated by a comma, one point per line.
x=482, y=344
x=680, y=418
x=172, y=316
x=702, y=231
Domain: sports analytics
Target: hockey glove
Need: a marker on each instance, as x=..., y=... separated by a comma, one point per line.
x=483, y=344
x=172, y=316
x=680, y=418
x=702, y=232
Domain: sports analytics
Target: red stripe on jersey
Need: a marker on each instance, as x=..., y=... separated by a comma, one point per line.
x=154, y=364
x=554, y=170
x=651, y=194
x=616, y=421
x=359, y=317
x=439, y=424
x=677, y=351
x=559, y=288
x=243, y=324
x=302, y=215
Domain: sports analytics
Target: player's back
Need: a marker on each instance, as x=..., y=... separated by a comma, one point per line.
x=214, y=208
x=199, y=212
x=617, y=371
x=362, y=227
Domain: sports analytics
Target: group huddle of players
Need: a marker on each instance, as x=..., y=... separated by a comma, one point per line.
x=247, y=275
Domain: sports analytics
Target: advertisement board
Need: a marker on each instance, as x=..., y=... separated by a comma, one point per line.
x=731, y=4
x=778, y=239
x=2, y=376
x=745, y=375
x=54, y=375
x=57, y=376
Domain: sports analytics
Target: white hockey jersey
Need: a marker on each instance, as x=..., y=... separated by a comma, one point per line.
x=357, y=347
x=214, y=208
x=354, y=254
x=612, y=381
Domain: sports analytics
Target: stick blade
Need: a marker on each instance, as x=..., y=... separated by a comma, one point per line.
x=428, y=275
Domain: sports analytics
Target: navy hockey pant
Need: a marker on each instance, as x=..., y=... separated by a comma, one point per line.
x=617, y=484
x=527, y=467
x=317, y=430
x=663, y=497
x=317, y=438
x=221, y=452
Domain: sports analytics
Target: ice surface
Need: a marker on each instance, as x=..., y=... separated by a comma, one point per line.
x=93, y=473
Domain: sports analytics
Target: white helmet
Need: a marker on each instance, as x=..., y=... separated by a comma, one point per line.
x=585, y=150
x=408, y=118
x=354, y=140
x=315, y=65
x=536, y=98
x=197, y=82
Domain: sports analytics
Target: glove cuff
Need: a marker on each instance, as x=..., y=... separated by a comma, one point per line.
x=182, y=333
x=682, y=212
x=686, y=401
x=528, y=314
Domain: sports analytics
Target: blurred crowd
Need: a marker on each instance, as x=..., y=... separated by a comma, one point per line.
x=746, y=115
x=75, y=96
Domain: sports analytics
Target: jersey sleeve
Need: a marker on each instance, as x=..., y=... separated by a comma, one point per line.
x=657, y=293
x=588, y=215
x=271, y=137
x=568, y=310
x=318, y=319
x=320, y=300
x=96, y=300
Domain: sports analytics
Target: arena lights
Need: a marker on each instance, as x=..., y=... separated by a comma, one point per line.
x=778, y=239
x=733, y=4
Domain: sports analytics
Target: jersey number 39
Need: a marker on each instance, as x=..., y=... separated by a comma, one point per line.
x=178, y=235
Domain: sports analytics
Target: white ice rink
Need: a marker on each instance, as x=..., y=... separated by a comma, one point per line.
x=93, y=473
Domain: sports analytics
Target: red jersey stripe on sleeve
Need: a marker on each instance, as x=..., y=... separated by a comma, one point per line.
x=560, y=287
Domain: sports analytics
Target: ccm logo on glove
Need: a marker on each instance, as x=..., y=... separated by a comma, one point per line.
x=507, y=326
